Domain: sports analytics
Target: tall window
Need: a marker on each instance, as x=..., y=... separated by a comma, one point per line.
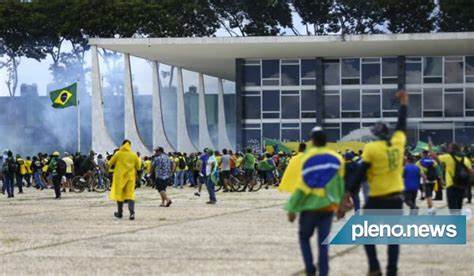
x=331, y=104
x=371, y=103
x=432, y=69
x=331, y=72
x=271, y=72
x=389, y=70
x=290, y=108
x=469, y=69
x=308, y=71
x=413, y=70
x=371, y=71
x=252, y=73
x=453, y=102
x=432, y=102
x=252, y=107
x=453, y=70
x=350, y=71
x=350, y=103
x=290, y=72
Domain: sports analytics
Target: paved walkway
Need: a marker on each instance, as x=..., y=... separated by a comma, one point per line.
x=244, y=234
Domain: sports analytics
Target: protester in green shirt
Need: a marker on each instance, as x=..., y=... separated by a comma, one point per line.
x=249, y=168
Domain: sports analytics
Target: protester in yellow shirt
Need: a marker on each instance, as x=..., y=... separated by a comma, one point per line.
x=21, y=172
x=29, y=171
x=458, y=170
x=382, y=164
x=180, y=170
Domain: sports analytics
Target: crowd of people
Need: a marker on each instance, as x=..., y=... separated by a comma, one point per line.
x=161, y=170
x=322, y=182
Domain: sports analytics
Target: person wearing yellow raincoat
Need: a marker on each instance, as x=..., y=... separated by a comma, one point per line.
x=126, y=163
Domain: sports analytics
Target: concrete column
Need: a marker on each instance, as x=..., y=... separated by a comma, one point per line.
x=101, y=141
x=239, y=64
x=319, y=91
x=131, y=130
x=159, y=134
x=223, y=138
x=184, y=141
x=204, y=137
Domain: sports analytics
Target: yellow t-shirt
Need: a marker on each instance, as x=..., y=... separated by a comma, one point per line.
x=386, y=165
x=450, y=167
x=147, y=165
x=176, y=162
x=23, y=169
x=28, y=166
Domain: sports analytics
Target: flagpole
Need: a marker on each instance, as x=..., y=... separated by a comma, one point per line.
x=78, y=120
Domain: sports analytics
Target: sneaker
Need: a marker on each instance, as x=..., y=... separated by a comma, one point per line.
x=197, y=194
x=118, y=215
x=431, y=211
x=132, y=216
x=211, y=202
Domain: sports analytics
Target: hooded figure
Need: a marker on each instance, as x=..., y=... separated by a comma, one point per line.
x=126, y=164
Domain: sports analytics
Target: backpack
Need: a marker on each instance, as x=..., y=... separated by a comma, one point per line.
x=181, y=163
x=9, y=166
x=462, y=175
x=61, y=167
x=431, y=173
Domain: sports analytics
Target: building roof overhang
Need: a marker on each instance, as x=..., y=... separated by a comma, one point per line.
x=216, y=55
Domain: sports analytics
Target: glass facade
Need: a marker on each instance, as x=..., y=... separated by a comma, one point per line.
x=280, y=97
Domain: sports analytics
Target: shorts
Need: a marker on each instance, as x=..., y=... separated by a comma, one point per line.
x=429, y=186
x=249, y=175
x=161, y=184
x=69, y=176
x=225, y=174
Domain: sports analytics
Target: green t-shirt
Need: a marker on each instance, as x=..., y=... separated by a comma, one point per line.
x=249, y=161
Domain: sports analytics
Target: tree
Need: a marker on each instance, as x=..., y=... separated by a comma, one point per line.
x=17, y=39
x=316, y=13
x=414, y=16
x=357, y=17
x=456, y=16
x=247, y=17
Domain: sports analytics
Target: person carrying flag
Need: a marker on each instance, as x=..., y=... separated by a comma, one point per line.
x=382, y=163
x=318, y=189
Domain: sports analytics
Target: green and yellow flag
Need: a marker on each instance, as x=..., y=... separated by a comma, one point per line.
x=64, y=97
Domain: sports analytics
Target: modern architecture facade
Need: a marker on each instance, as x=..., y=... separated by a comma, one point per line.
x=284, y=86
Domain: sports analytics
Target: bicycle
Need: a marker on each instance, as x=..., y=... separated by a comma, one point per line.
x=94, y=181
x=240, y=184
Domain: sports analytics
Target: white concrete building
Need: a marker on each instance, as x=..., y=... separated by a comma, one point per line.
x=285, y=85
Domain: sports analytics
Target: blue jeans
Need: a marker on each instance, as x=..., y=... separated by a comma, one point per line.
x=37, y=177
x=393, y=250
x=179, y=179
x=19, y=182
x=211, y=189
x=308, y=222
x=8, y=184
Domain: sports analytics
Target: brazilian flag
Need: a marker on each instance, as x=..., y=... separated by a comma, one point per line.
x=64, y=97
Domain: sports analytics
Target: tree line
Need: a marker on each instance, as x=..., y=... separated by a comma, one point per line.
x=40, y=28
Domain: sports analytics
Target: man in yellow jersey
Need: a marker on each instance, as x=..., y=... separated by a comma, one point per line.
x=382, y=164
x=458, y=170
